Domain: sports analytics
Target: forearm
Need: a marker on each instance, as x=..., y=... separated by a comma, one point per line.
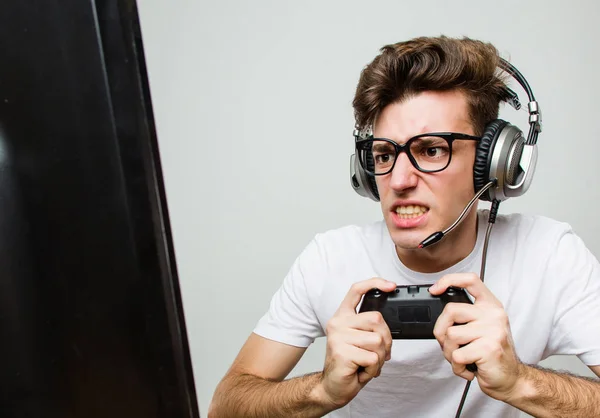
x=251, y=396
x=545, y=393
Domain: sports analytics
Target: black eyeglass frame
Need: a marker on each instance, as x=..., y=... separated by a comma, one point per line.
x=450, y=137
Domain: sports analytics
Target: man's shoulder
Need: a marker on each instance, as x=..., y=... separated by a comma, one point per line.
x=525, y=226
x=345, y=248
x=350, y=240
x=354, y=234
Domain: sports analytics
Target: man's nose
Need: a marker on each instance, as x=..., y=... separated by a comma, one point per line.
x=404, y=174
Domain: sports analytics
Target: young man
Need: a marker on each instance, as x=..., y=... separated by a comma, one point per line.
x=540, y=295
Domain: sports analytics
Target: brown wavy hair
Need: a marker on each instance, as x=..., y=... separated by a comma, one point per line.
x=441, y=63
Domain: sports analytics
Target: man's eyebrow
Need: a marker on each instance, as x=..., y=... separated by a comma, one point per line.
x=431, y=138
x=382, y=146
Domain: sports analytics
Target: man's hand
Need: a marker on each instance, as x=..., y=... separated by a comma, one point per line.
x=357, y=345
x=478, y=333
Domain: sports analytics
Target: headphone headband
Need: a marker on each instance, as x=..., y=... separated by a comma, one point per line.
x=535, y=113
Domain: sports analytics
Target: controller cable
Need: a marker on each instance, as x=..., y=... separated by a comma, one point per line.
x=491, y=221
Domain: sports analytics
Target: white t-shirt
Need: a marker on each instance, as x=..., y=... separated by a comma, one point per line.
x=547, y=280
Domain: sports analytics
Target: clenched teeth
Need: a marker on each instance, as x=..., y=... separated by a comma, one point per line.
x=410, y=211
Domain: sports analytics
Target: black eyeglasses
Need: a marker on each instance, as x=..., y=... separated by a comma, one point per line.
x=428, y=153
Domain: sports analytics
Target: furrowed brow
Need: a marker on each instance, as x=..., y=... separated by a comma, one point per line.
x=383, y=147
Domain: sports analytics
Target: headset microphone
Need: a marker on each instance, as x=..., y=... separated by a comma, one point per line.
x=437, y=236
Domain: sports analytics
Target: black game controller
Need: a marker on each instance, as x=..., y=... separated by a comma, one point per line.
x=411, y=311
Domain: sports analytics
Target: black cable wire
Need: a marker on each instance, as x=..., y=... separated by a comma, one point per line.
x=491, y=222
x=462, y=400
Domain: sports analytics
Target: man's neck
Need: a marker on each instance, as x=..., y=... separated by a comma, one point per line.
x=453, y=248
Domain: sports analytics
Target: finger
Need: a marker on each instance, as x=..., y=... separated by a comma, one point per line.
x=459, y=336
x=464, y=334
x=454, y=313
x=471, y=353
x=358, y=289
x=373, y=321
x=461, y=370
x=368, y=360
x=370, y=341
x=459, y=366
x=469, y=281
x=448, y=348
x=364, y=377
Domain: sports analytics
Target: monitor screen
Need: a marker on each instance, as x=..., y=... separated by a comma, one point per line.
x=91, y=322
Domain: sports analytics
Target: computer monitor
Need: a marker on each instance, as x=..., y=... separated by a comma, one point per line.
x=91, y=319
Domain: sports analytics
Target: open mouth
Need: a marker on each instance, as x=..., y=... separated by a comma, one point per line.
x=411, y=211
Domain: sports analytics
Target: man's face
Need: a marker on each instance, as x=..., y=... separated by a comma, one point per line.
x=417, y=204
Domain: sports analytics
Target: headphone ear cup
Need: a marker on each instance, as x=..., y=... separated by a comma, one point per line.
x=371, y=179
x=483, y=156
x=361, y=182
x=513, y=170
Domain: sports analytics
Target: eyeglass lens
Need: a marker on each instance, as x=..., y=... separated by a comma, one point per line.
x=429, y=153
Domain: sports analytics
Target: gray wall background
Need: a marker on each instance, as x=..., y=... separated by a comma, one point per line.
x=253, y=109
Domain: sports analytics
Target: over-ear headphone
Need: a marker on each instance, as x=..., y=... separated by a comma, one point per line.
x=503, y=155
